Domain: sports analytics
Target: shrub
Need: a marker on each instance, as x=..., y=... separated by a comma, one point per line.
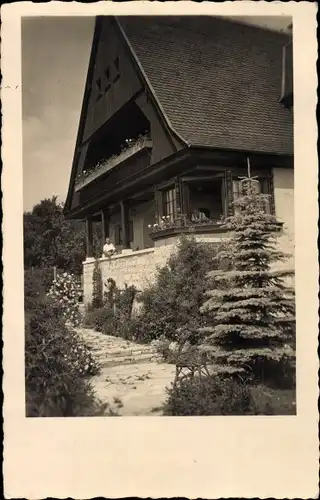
x=37, y=282
x=57, y=365
x=99, y=319
x=66, y=291
x=174, y=299
x=210, y=395
x=114, y=316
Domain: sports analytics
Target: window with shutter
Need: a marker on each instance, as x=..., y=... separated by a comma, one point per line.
x=169, y=203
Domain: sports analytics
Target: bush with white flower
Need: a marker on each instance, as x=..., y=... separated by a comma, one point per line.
x=79, y=356
x=66, y=291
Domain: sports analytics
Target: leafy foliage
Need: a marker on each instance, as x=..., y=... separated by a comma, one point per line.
x=249, y=307
x=226, y=396
x=66, y=291
x=209, y=396
x=173, y=301
x=100, y=319
x=37, y=282
x=57, y=363
x=52, y=240
x=114, y=314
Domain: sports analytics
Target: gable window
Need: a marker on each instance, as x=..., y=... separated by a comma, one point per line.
x=169, y=203
x=116, y=69
x=107, y=79
x=99, y=89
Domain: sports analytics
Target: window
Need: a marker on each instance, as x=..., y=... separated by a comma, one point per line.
x=169, y=203
x=107, y=79
x=261, y=186
x=118, y=233
x=99, y=89
x=117, y=69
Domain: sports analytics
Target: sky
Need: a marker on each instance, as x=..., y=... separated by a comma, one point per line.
x=55, y=57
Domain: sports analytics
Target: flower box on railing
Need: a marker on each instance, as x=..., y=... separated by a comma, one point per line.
x=167, y=229
x=112, y=162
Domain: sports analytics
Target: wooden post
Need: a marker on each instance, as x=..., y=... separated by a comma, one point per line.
x=89, y=237
x=54, y=273
x=185, y=199
x=125, y=224
x=229, y=192
x=105, y=225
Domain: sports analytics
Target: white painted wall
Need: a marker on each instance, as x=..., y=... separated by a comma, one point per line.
x=284, y=206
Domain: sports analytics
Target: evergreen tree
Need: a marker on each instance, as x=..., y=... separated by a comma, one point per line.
x=97, y=286
x=249, y=306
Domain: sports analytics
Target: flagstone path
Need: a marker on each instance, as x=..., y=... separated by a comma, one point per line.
x=132, y=380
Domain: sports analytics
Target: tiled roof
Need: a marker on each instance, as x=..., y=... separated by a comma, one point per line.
x=219, y=82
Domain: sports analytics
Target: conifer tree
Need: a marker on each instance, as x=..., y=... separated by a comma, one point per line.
x=249, y=307
x=97, y=286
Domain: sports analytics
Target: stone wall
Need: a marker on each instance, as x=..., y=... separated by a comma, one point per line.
x=131, y=268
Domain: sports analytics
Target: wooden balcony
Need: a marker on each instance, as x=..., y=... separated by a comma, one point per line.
x=113, y=162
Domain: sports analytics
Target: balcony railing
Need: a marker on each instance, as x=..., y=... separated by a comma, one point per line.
x=105, y=166
x=167, y=228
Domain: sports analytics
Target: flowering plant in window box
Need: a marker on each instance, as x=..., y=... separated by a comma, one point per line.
x=129, y=147
x=181, y=221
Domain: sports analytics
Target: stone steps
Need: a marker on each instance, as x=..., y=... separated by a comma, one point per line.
x=128, y=360
x=112, y=351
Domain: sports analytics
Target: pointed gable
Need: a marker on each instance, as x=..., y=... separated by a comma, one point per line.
x=113, y=81
x=218, y=81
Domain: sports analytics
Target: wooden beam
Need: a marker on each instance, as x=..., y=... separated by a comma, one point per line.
x=124, y=205
x=89, y=237
x=105, y=224
x=199, y=177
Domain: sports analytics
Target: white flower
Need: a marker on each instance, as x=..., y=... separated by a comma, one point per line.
x=173, y=346
x=149, y=226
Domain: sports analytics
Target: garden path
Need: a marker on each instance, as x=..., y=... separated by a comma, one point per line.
x=131, y=380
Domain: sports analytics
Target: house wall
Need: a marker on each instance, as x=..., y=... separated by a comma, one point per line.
x=109, y=47
x=163, y=144
x=283, y=180
x=141, y=216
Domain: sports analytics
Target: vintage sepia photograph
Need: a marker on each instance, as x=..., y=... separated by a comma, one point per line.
x=158, y=186
x=160, y=260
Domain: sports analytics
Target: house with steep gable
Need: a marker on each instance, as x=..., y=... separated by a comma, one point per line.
x=174, y=110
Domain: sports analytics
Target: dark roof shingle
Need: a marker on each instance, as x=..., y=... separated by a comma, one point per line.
x=218, y=81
